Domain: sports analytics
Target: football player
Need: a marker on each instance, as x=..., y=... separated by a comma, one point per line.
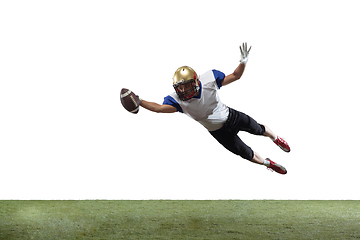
x=197, y=97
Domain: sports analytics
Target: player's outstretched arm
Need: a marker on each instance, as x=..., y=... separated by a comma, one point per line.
x=154, y=107
x=240, y=69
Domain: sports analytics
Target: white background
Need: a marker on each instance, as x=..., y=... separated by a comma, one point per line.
x=65, y=135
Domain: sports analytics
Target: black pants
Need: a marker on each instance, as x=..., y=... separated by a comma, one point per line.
x=227, y=135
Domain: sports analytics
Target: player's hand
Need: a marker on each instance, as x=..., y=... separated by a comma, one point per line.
x=244, y=53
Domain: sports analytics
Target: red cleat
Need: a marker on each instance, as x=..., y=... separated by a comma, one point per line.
x=276, y=167
x=282, y=144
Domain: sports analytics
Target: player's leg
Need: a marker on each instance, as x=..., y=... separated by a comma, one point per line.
x=268, y=163
x=238, y=147
x=259, y=160
x=241, y=122
x=276, y=139
x=235, y=145
x=232, y=143
x=269, y=133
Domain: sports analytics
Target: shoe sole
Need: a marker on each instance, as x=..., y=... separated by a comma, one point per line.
x=284, y=149
x=276, y=167
x=281, y=167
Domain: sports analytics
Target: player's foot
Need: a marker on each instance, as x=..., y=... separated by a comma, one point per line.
x=282, y=144
x=276, y=167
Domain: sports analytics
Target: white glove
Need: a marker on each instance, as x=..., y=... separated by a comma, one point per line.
x=244, y=53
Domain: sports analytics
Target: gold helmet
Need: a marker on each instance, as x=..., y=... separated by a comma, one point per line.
x=184, y=75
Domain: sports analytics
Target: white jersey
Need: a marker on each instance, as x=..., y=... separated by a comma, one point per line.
x=206, y=108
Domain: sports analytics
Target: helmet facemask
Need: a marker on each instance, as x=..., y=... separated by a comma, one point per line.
x=188, y=93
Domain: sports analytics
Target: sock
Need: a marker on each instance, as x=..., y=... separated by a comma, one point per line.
x=274, y=139
x=266, y=163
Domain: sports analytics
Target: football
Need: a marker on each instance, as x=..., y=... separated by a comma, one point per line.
x=129, y=100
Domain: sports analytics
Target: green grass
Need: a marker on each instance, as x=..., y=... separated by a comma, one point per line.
x=230, y=219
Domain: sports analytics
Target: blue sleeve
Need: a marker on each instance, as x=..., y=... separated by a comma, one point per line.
x=168, y=100
x=219, y=77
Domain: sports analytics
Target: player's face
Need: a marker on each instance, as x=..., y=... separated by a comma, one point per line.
x=187, y=90
x=185, y=87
